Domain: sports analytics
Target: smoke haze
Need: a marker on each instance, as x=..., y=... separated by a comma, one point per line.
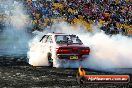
x=14, y=37
x=106, y=51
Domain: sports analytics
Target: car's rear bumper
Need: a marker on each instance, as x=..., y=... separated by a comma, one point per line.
x=65, y=63
x=72, y=56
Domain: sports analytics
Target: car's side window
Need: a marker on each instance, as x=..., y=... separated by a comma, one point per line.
x=44, y=38
x=49, y=40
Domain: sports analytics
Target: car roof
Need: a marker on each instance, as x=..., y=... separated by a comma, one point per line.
x=58, y=34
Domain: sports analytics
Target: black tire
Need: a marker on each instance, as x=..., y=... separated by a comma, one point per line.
x=50, y=60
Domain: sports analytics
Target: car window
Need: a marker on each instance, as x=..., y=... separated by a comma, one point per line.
x=67, y=38
x=49, y=40
x=62, y=38
x=44, y=38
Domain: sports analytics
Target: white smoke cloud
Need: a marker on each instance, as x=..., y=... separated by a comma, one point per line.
x=109, y=52
x=36, y=53
x=19, y=19
x=106, y=51
x=14, y=38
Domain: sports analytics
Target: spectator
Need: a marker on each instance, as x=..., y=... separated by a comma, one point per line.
x=112, y=13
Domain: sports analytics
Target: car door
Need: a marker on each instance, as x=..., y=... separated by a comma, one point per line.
x=43, y=42
x=49, y=43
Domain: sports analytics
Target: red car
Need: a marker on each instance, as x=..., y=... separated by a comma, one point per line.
x=63, y=48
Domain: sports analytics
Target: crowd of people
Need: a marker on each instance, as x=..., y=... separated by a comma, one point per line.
x=112, y=16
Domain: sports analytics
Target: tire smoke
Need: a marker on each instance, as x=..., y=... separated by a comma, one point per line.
x=36, y=54
x=14, y=37
x=106, y=51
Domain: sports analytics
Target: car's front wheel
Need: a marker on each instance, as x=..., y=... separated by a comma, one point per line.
x=50, y=60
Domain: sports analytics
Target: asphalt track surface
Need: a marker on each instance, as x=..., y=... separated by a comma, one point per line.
x=15, y=73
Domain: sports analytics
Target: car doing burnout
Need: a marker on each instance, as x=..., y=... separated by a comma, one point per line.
x=62, y=48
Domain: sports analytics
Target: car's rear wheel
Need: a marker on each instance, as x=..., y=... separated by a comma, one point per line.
x=50, y=60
